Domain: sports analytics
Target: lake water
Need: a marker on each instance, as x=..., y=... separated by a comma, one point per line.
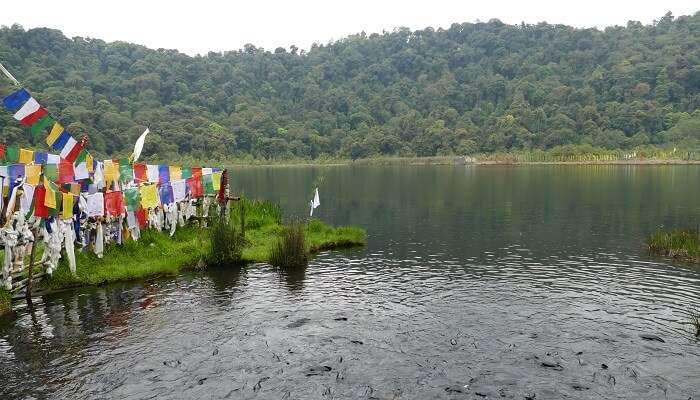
x=477, y=282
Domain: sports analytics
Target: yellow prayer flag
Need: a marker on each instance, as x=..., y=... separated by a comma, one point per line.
x=149, y=196
x=33, y=172
x=54, y=134
x=26, y=156
x=111, y=171
x=175, y=173
x=67, y=212
x=89, y=162
x=50, y=198
x=216, y=180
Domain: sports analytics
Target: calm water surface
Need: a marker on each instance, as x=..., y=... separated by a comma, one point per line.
x=473, y=280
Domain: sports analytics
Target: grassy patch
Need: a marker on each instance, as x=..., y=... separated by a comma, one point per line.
x=158, y=254
x=677, y=243
x=5, y=301
x=290, y=250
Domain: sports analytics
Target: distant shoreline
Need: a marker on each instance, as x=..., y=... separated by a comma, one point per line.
x=418, y=161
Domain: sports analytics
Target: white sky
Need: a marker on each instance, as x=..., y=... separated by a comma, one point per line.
x=199, y=26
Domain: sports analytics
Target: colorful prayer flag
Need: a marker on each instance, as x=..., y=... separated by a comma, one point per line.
x=114, y=203
x=163, y=174
x=140, y=173
x=132, y=198
x=195, y=185
x=26, y=156
x=42, y=124
x=165, y=191
x=40, y=209
x=149, y=196
x=51, y=172
x=208, y=184
x=216, y=180
x=33, y=173
x=15, y=100
x=126, y=172
x=67, y=206
x=152, y=173
x=40, y=157
x=66, y=173
x=175, y=173
x=186, y=172
x=11, y=154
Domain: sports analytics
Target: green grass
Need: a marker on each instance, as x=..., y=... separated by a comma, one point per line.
x=677, y=243
x=5, y=299
x=157, y=254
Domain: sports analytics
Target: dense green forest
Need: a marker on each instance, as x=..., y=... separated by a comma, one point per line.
x=475, y=87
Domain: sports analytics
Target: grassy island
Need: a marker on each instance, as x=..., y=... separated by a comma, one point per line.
x=676, y=243
x=157, y=254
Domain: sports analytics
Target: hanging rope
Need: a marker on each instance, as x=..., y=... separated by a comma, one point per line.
x=9, y=75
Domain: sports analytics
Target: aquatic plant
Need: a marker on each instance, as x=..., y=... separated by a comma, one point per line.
x=290, y=250
x=677, y=243
x=694, y=320
x=226, y=243
x=5, y=305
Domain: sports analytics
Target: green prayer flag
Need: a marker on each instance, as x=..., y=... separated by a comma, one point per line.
x=208, y=184
x=81, y=157
x=51, y=172
x=12, y=154
x=186, y=172
x=42, y=124
x=126, y=171
x=132, y=198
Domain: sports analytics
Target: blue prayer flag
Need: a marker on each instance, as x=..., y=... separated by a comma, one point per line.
x=40, y=158
x=165, y=191
x=15, y=100
x=61, y=140
x=163, y=173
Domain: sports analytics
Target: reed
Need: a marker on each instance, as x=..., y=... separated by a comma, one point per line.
x=290, y=250
x=677, y=243
x=226, y=244
x=694, y=320
x=5, y=301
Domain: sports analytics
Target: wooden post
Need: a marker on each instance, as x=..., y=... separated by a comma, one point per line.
x=31, y=268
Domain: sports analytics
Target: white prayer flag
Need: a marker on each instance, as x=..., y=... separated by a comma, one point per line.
x=96, y=204
x=152, y=173
x=314, y=203
x=179, y=190
x=139, y=145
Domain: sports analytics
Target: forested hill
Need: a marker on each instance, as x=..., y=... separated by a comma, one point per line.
x=475, y=87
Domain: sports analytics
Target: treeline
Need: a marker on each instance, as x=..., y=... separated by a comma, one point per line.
x=475, y=87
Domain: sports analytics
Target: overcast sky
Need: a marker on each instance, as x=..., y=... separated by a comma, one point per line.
x=200, y=26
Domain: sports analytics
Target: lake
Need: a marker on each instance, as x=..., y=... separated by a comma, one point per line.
x=477, y=282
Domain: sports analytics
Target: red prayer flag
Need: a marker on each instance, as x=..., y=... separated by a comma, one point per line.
x=32, y=118
x=195, y=185
x=2, y=150
x=65, y=172
x=140, y=172
x=196, y=172
x=40, y=209
x=141, y=217
x=114, y=203
x=73, y=153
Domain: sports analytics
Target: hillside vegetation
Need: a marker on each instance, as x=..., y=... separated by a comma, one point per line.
x=475, y=87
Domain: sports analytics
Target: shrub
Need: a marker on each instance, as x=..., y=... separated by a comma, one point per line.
x=290, y=250
x=225, y=244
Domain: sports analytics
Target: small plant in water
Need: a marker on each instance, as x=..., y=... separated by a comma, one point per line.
x=290, y=250
x=226, y=243
x=694, y=318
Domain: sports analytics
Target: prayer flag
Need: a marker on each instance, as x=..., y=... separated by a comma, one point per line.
x=50, y=197
x=195, y=185
x=81, y=157
x=71, y=150
x=315, y=202
x=67, y=207
x=141, y=217
x=179, y=190
x=163, y=174
x=186, y=172
x=25, y=202
x=42, y=124
x=26, y=156
x=208, y=184
x=175, y=173
x=111, y=171
x=30, y=112
x=66, y=172
x=152, y=172
x=140, y=173
x=138, y=146
x=16, y=99
x=40, y=158
x=149, y=196
x=63, y=138
x=95, y=204
x=40, y=210
x=207, y=171
x=196, y=172
x=11, y=154
x=51, y=172
x=114, y=203
x=2, y=150
x=126, y=172
x=16, y=170
x=216, y=180
x=56, y=131
x=81, y=171
x=166, y=193
x=33, y=172
x=53, y=159
x=132, y=198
